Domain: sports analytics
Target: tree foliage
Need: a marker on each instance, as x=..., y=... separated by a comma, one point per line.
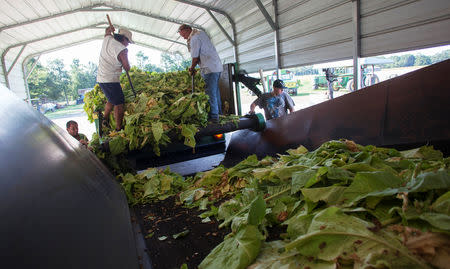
x=417, y=60
x=54, y=82
x=144, y=64
x=174, y=62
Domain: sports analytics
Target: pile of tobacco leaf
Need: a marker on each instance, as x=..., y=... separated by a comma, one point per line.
x=165, y=110
x=342, y=205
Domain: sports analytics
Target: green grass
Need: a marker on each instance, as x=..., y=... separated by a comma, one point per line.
x=72, y=109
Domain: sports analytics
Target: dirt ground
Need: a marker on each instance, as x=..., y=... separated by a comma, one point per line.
x=163, y=220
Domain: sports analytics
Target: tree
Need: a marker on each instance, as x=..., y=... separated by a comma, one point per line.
x=441, y=56
x=422, y=60
x=60, y=80
x=406, y=60
x=174, y=62
x=144, y=64
x=38, y=81
x=81, y=77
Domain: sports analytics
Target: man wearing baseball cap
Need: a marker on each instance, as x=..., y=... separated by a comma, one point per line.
x=204, y=54
x=113, y=57
x=275, y=103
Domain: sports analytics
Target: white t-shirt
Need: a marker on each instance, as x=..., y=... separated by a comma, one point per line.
x=202, y=47
x=109, y=67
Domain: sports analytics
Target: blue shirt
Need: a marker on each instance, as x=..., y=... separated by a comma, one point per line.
x=275, y=106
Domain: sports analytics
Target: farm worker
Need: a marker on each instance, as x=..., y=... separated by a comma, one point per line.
x=275, y=103
x=330, y=78
x=72, y=129
x=205, y=55
x=113, y=56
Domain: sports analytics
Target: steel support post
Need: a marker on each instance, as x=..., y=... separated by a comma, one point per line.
x=27, y=75
x=277, y=38
x=356, y=44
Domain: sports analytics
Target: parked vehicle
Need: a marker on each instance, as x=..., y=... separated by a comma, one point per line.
x=80, y=99
x=291, y=82
x=343, y=74
x=48, y=107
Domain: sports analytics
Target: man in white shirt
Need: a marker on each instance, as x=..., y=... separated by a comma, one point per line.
x=205, y=55
x=113, y=57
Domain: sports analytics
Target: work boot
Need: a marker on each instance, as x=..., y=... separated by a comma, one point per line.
x=213, y=120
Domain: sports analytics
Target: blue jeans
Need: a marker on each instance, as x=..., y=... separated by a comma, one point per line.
x=330, y=90
x=212, y=90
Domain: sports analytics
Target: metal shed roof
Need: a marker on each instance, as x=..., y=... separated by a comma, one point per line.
x=248, y=32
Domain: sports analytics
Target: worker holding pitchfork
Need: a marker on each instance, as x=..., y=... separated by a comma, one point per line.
x=113, y=56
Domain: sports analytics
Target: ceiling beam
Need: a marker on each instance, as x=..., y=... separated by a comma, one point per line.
x=93, y=26
x=98, y=8
x=230, y=20
x=266, y=14
x=221, y=28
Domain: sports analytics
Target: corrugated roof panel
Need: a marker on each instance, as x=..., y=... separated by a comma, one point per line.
x=52, y=6
x=167, y=8
x=424, y=23
x=11, y=13
x=310, y=31
x=311, y=56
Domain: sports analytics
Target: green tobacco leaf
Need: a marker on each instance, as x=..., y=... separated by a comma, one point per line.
x=440, y=221
x=359, y=167
x=329, y=195
x=367, y=182
x=128, y=178
x=157, y=130
x=188, y=131
x=166, y=182
x=236, y=251
x=151, y=187
x=301, y=178
x=287, y=172
x=244, y=168
x=257, y=211
x=208, y=178
x=298, y=225
x=300, y=150
x=339, y=173
x=429, y=181
x=442, y=204
x=188, y=196
x=270, y=258
x=150, y=172
x=333, y=234
x=117, y=145
x=425, y=152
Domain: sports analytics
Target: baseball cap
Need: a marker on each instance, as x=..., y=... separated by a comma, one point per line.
x=126, y=33
x=279, y=84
